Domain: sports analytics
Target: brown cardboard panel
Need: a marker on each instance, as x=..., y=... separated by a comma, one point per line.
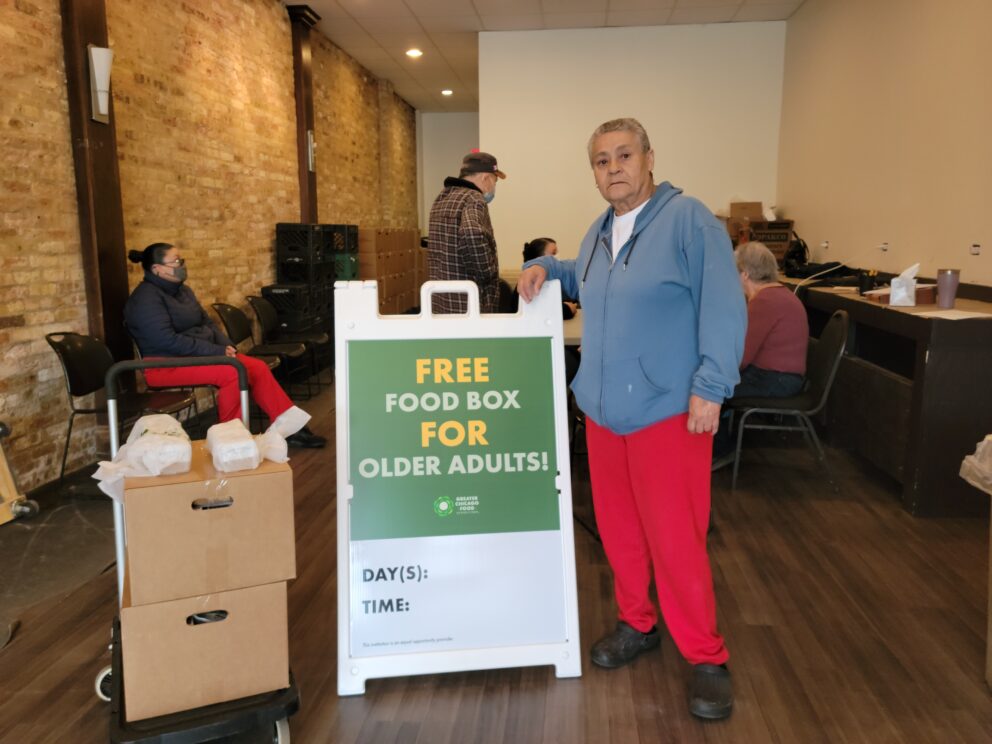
x=170, y=666
x=746, y=210
x=367, y=240
x=176, y=548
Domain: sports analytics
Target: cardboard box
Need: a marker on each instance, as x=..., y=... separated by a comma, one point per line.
x=776, y=235
x=750, y=211
x=173, y=662
x=367, y=240
x=926, y=294
x=203, y=531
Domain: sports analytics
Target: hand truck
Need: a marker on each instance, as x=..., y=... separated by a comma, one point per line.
x=250, y=720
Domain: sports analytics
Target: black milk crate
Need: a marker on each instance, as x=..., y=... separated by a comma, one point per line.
x=300, y=322
x=289, y=298
x=303, y=243
x=343, y=238
x=298, y=270
x=346, y=266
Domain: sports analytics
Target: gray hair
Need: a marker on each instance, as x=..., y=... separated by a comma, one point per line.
x=621, y=125
x=757, y=261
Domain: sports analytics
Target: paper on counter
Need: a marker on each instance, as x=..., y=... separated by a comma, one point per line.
x=953, y=314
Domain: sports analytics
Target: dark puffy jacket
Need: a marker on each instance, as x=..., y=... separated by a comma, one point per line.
x=166, y=320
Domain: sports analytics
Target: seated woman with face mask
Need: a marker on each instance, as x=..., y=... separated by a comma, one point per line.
x=166, y=320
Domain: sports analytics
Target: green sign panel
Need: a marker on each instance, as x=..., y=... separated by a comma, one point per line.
x=451, y=437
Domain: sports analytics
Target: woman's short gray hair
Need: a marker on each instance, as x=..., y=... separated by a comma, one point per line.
x=621, y=125
x=759, y=262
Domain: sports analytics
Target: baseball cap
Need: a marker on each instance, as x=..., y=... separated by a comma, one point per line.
x=481, y=162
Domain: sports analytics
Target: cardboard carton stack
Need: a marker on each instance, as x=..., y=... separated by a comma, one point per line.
x=203, y=616
x=747, y=222
x=390, y=257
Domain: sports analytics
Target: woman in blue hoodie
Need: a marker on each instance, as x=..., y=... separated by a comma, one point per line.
x=663, y=332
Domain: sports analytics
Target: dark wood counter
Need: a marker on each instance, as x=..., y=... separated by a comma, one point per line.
x=913, y=394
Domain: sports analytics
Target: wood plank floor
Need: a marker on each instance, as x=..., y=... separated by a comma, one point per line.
x=847, y=621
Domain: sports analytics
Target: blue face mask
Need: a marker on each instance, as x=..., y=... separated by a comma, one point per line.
x=489, y=196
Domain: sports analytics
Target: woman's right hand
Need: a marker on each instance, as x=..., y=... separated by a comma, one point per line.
x=530, y=282
x=230, y=351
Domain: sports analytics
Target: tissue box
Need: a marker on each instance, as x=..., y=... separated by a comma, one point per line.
x=204, y=531
x=926, y=294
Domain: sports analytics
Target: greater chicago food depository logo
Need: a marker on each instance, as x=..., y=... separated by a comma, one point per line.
x=444, y=506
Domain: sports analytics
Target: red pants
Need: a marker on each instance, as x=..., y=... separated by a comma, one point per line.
x=265, y=391
x=651, y=493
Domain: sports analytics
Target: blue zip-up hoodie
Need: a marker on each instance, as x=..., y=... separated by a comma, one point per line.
x=665, y=321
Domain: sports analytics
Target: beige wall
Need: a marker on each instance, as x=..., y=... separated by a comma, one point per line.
x=443, y=140
x=709, y=97
x=885, y=132
x=206, y=129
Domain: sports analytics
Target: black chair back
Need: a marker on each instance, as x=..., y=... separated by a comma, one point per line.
x=824, y=358
x=268, y=318
x=236, y=323
x=85, y=360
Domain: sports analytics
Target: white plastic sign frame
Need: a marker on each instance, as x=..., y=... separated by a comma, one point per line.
x=357, y=319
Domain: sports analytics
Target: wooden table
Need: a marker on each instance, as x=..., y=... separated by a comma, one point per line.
x=573, y=329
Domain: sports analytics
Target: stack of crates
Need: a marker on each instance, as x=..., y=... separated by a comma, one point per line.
x=391, y=256
x=309, y=259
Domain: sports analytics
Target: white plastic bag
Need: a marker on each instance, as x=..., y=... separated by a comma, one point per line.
x=157, y=445
x=232, y=447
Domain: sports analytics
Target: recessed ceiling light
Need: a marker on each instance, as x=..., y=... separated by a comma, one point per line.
x=414, y=53
x=447, y=92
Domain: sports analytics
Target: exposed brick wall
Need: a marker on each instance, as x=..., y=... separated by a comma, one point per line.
x=398, y=160
x=206, y=130
x=366, y=144
x=40, y=262
x=205, y=119
x=346, y=129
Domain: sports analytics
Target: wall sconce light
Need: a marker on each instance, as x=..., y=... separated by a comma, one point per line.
x=100, y=60
x=311, y=152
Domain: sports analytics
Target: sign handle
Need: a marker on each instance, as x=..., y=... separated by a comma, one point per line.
x=428, y=289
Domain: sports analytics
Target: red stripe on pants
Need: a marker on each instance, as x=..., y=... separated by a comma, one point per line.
x=651, y=493
x=264, y=389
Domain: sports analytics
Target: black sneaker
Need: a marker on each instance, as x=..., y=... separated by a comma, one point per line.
x=623, y=645
x=306, y=439
x=711, y=696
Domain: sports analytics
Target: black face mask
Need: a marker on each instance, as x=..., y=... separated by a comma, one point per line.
x=179, y=274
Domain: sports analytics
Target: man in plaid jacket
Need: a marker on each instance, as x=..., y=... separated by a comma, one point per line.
x=460, y=242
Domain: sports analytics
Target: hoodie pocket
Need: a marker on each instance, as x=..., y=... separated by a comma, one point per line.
x=628, y=393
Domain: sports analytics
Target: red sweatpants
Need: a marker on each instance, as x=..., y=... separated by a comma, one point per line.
x=264, y=389
x=651, y=493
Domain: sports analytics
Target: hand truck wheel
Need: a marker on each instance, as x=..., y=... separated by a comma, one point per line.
x=281, y=733
x=102, y=684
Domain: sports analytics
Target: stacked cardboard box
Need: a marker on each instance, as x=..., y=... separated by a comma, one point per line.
x=203, y=616
x=390, y=257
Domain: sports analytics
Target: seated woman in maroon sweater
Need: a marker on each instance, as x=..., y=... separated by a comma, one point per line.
x=774, y=361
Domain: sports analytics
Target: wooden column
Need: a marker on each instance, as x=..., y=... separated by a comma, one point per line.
x=98, y=183
x=303, y=19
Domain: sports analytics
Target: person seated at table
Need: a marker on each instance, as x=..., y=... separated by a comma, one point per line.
x=774, y=361
x=165, y=319
x=548, y=247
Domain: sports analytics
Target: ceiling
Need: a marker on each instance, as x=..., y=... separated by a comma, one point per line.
x=377, y=33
